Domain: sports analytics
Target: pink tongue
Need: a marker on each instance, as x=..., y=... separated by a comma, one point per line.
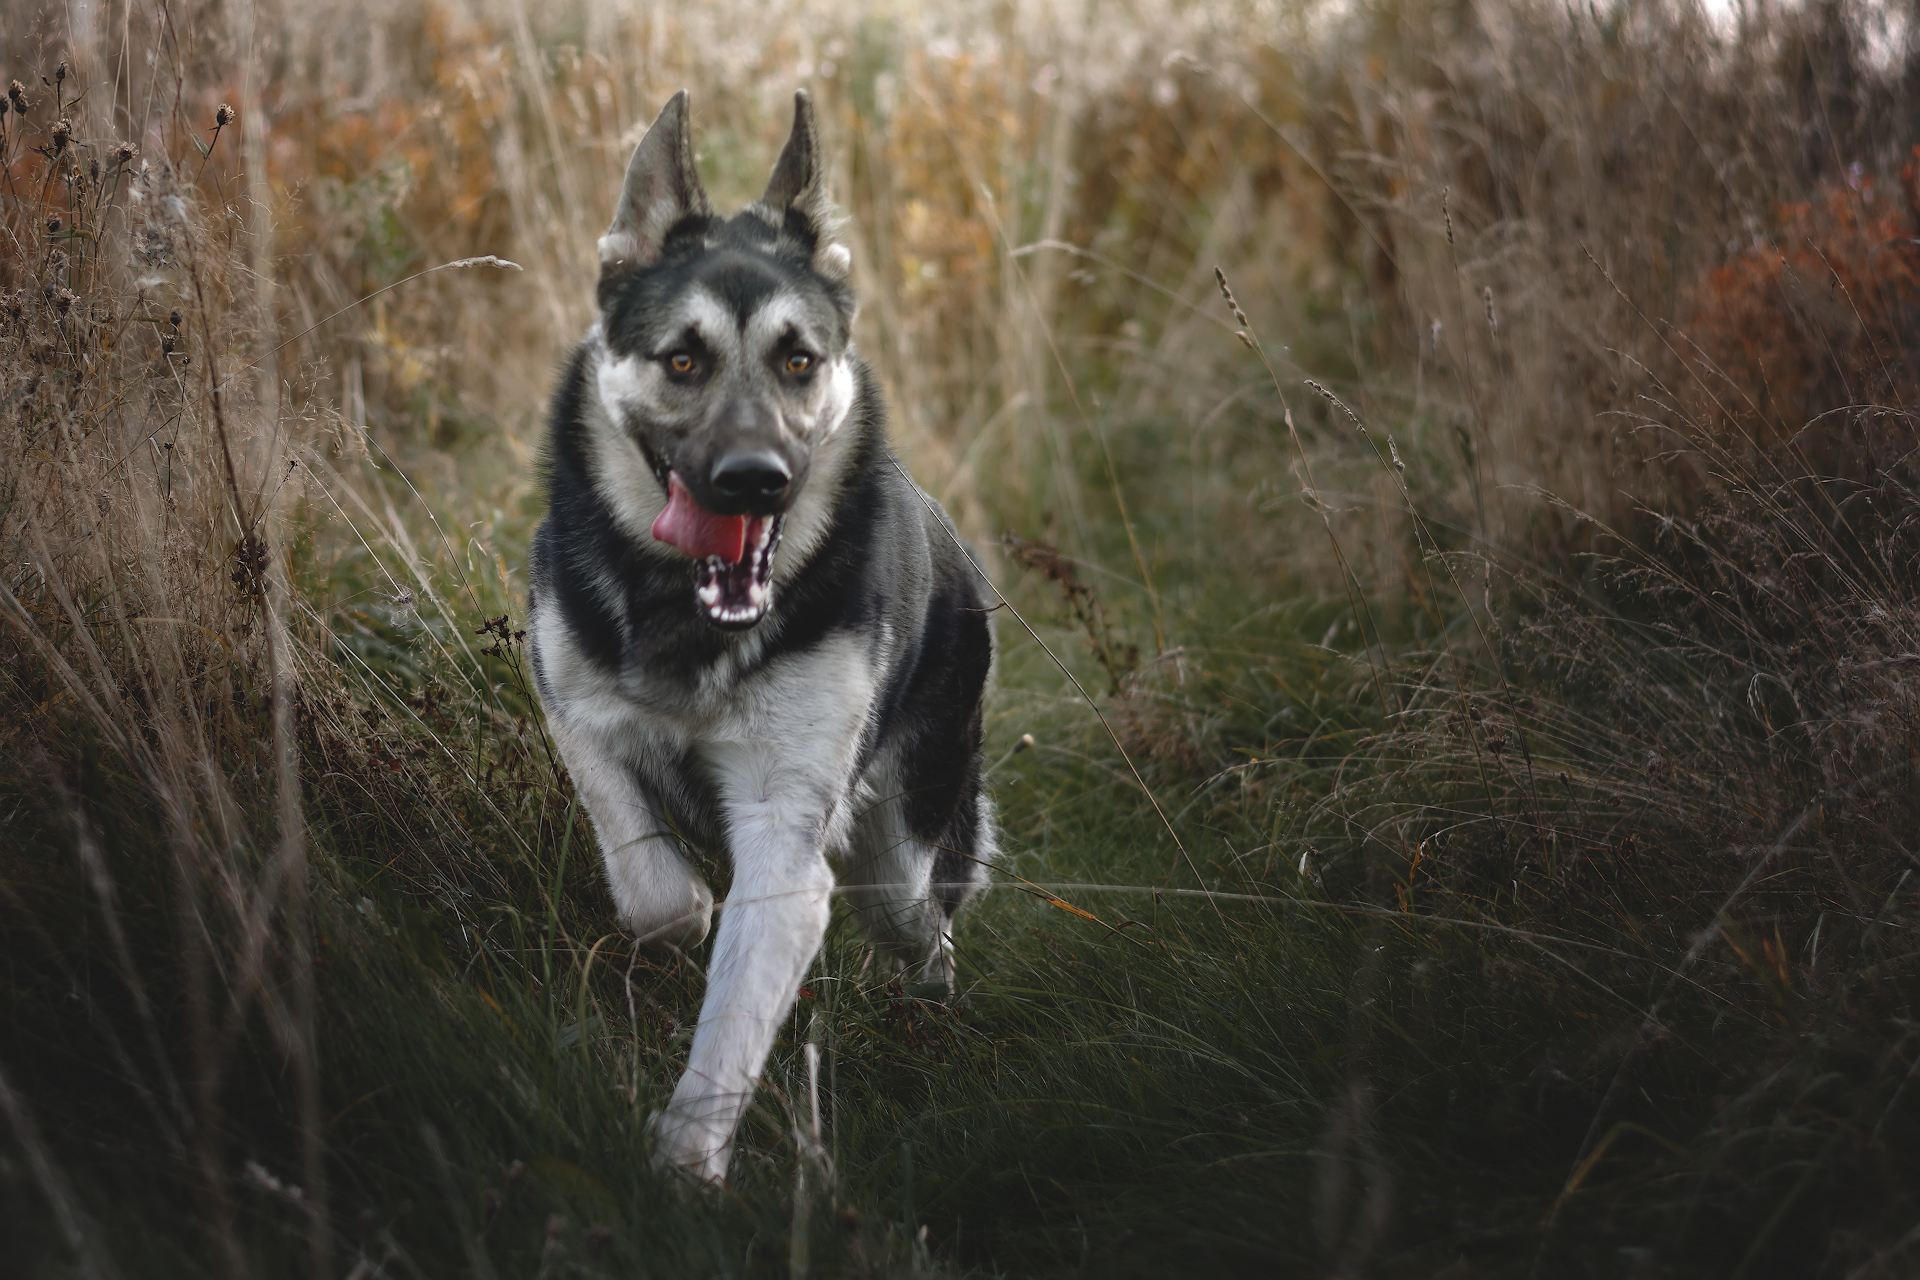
x=692, y=529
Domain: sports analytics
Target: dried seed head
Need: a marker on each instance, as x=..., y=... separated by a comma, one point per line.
x=1337, y=403
x=93, y=168
x=1232, y=306
x=1245, y=340
x=63, y=300
x=1394, y=450
x=222, y=116
x=173, y=317
x=62, y=134
x=53, y=225
x=60, y=72
x=17, y=95
x=124, y=153
x=166, y=344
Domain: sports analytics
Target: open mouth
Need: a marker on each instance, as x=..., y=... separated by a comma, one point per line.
x=732, y=555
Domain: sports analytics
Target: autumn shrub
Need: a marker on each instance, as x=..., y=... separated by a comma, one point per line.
x=1801, y=345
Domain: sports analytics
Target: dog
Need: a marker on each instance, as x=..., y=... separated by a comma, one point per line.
x=750, y=630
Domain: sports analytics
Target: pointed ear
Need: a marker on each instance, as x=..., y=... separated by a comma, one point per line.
x=799, y=185
x=661, y=188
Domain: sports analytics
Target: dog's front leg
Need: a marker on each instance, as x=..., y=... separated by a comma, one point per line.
x=660, y=898
x=771, y=926
x=783, y=780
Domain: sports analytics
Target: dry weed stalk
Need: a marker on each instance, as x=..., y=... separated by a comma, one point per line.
x=146, y=598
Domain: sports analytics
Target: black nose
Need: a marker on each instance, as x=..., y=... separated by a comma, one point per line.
x=754, y=477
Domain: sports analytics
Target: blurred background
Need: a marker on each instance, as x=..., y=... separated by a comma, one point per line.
x=1455, y=460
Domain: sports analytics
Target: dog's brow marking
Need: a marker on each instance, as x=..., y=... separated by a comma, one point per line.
x=710, y=318
x=775, y=318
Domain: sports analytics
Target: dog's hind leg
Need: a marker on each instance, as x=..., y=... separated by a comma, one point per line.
x=906, y=887
x=660, y=898
x=888, y=885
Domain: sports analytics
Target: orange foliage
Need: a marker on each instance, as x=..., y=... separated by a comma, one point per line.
x=1825, y=318
x=436, y=143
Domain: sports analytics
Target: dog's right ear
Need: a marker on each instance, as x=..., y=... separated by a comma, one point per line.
x=661, y=188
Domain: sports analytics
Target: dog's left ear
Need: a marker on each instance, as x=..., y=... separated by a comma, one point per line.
x=799, y=185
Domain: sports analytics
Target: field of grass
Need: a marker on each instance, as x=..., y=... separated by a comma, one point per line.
x=1456, y=730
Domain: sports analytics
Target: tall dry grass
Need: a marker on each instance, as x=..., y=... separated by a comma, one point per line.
x=151, y=674
x=271, y=746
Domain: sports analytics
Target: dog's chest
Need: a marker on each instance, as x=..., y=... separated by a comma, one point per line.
x=790, y=729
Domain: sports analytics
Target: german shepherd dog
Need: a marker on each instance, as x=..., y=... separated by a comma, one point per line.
x=750, y=630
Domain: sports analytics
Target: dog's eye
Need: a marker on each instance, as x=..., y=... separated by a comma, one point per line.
x=680, y=362
x=799, y=362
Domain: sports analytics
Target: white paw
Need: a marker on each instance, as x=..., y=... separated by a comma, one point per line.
x=681, y=933
x=933, y=980
x=690, y=1146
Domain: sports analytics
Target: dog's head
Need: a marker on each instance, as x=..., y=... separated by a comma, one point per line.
x=727, y=360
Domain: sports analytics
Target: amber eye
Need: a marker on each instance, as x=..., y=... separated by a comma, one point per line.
x=680, y=362
x=799, y=362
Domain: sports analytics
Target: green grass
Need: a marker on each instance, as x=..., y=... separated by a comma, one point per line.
x=1371, y=1065
x=1520, y=892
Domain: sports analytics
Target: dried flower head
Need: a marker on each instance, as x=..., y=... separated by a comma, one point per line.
x=223, y=116
x=1337, y=403
x=173, y=317
x=63, y=300
x=53, y=225
x=124, y=153
x=60, y=72
x=154, y=246
x=1232, y=305
x=17, y=95
x=62, y=134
